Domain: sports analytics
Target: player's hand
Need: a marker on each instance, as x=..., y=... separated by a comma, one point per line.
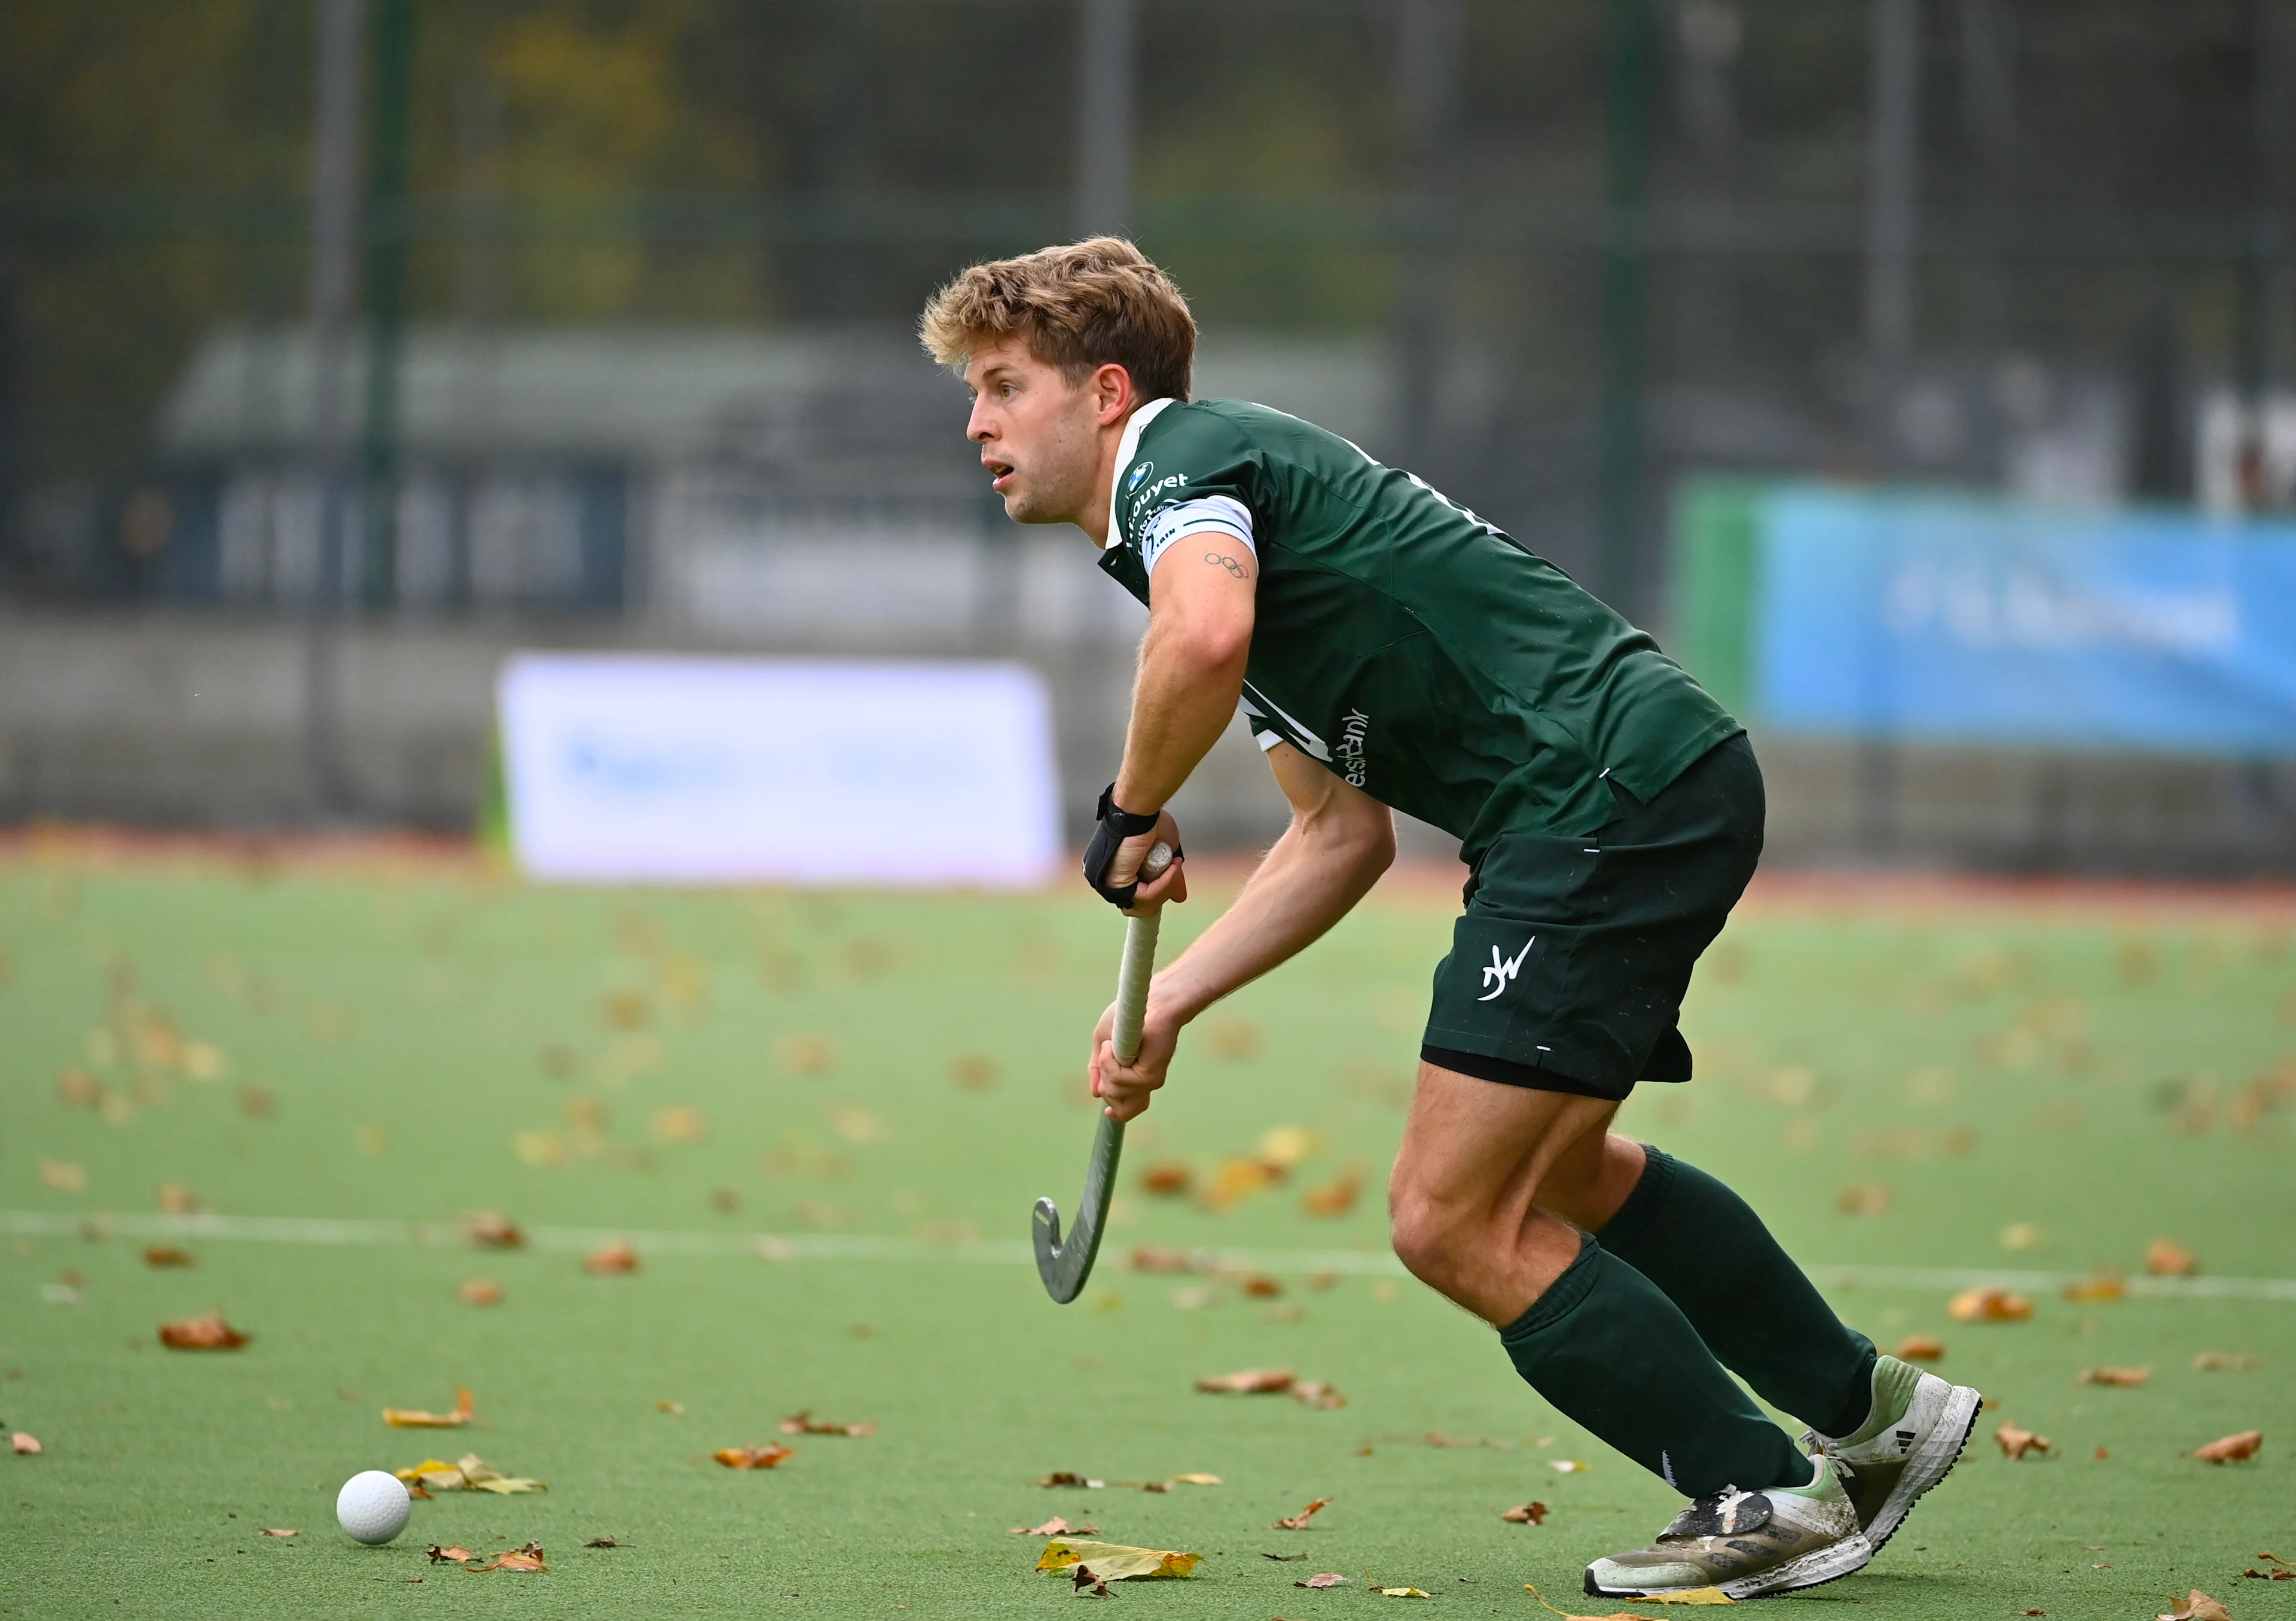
x=1124, y=866
x=1126, y=1088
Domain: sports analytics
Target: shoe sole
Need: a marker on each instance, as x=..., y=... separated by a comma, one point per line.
x=1829, y=1563
x=1932, y=1461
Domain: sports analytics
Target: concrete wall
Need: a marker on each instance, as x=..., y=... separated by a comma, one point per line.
x=198, y=720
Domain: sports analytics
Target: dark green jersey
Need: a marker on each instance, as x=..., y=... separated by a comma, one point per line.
x=1414, y=649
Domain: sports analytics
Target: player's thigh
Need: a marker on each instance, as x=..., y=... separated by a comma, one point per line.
x=1475, y=1151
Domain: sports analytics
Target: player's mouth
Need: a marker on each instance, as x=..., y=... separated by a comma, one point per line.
x=1000, y=474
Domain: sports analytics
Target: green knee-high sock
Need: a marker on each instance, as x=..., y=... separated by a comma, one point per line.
x=1613, y=1352
x=1764, y=1320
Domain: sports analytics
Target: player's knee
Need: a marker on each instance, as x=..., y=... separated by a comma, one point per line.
x=1426, y=1236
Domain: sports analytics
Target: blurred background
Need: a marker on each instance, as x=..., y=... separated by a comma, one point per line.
x=1918, y=369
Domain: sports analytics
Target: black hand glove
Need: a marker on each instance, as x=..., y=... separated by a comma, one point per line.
x=1114, y=827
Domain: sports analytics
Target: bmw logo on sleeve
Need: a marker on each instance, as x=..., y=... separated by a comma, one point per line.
x=1139, y=477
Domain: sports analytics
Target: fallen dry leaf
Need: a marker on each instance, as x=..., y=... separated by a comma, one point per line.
x=2103, y=1286
x=1259, y=1286
x=492, y=1230
x=168, y=1255
x=1299, y=1522
x=272, y=1531
x=2198, y=1606
x=1401, y=1593
x=176, y=1200
x=1526, y=1514
x=2166, y=1258
x=415, y=1418
x=528, y=1558
x=1163, y=1259
x=1328, y=1578
x=2225, y=1362
x=616, y=1258
x=803, y=1423
x=472, y=1474
x=2113, y=1375
x=1336, y=1196
x=1567, y=1465
x=1194, y=1480
x=2232, y=1449
x=207, y=1332
x=1069, y=1477
x=450, y=1555
x=1989, y=1305
x=1920, y=1347
x=25, y=1443
x=1863, y=1198
x=1315, y=1393
x=1249, y=1381
x=1115, y=1562
x=1055, y=1527
x=1168, y=1179
x=2016, y=1443
x=481, y=1291
x=604, y=1541
x=768, y=1456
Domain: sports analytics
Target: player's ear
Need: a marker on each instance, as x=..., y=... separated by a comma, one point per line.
x=1112, y=393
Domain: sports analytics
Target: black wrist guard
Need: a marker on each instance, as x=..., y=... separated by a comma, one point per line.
x=1111, y=829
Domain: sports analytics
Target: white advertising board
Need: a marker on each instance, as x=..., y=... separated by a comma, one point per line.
x=622, y=767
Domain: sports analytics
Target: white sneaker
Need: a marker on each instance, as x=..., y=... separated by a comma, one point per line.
x=1918, y=1428
x=1746, y=1544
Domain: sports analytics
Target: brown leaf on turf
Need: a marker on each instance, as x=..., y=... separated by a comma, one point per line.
x=2103, y=1286
x=1116, y=1562
x=1163, y=1258
x=2232, y=1449
x=1315, y=1393
x=25, y=1443
x=1249, y=1381
x=1056, y=1526
x=2198, y=1606
x=1329, y=1579
x=1259, y=1286
x=2166, y=1258
x=450, y=1555
x=176, y=1200
x=1168, y=1179
x=2275, y=1559
x=2016, y=1443
x=2114, y=1376
x=528, y=1558
x=207, y=1332
x=492, y=1230
x=803, y=1423
x=415, y=1418
x=1402, y=1593
x=1989, y=1305
x=481, y=1291
x=2271, y=1576
x=602, y=1541
x=168, y=1255
x=1336, y=1196
x=1863, y=1198
x=1299, y=1522
x=1069, y=1477
x=1920, y=1347
x=1526, y=1514
x=272, y=1531
x=2225, y=1362
x=1194, y=1480
x=617, y=1258
x=768, y=1456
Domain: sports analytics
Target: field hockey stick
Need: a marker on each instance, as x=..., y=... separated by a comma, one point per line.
x=1065, y=1265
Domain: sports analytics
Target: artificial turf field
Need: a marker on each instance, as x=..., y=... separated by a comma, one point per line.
x=886, y=1082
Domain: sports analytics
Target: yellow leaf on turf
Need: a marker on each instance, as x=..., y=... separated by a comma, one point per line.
x=1401, y=1593
x=1115, y=1562
x=415, y=1418
x=2198, y=1606
x=1696, y=1595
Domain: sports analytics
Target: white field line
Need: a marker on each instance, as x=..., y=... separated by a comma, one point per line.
x=829, y=1247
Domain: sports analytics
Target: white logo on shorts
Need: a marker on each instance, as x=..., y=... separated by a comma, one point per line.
x=1504, y=971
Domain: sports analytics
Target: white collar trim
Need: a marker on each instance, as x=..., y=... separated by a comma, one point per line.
x=1126, y=449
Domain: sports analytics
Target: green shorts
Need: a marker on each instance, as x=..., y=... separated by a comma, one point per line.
x=1568, y=970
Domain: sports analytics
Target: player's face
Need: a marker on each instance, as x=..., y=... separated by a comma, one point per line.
x=1038, y=432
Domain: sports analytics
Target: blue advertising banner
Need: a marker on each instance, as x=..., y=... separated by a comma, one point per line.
x=1959, y=618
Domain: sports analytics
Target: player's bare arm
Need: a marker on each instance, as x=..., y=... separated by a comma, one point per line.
x=1339, y=842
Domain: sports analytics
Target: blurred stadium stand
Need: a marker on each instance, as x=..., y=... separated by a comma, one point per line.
x=627, y=359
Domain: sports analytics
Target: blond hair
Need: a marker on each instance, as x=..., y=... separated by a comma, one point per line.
x=1093, y=303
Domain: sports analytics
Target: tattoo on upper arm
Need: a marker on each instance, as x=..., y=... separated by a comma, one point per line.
x=1229, y=563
